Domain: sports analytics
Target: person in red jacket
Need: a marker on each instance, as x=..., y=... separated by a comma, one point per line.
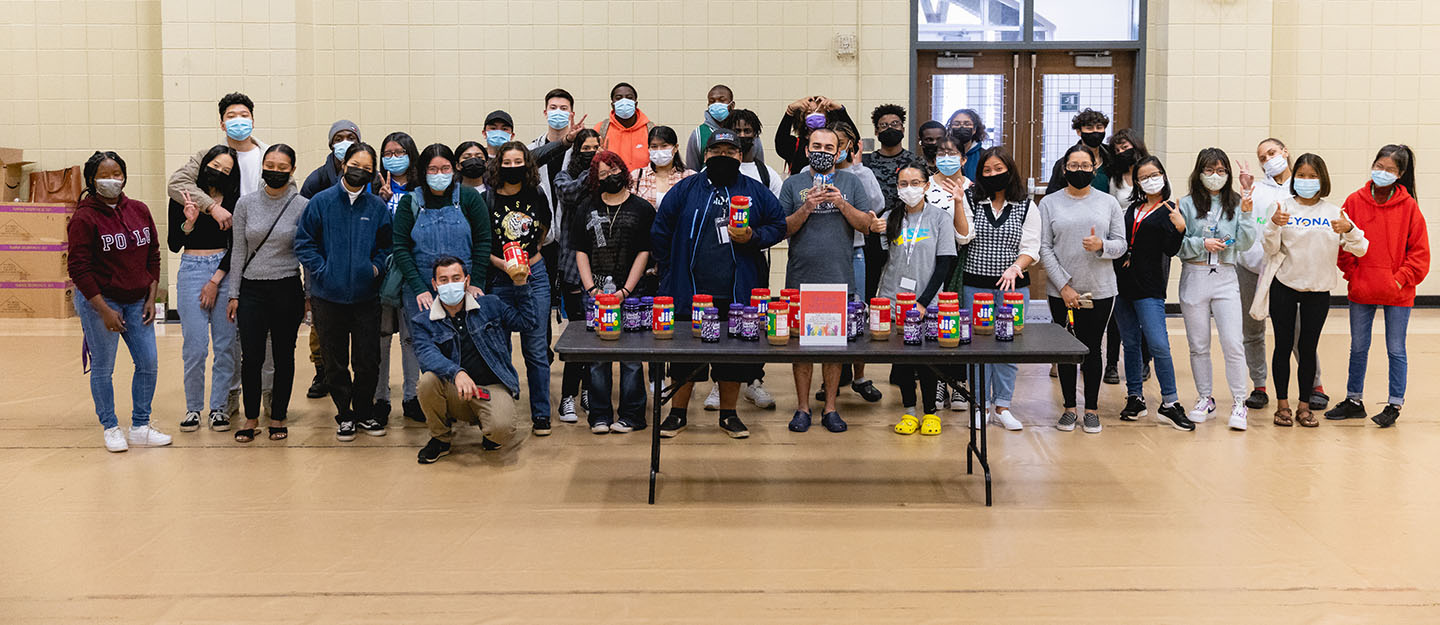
x=114, y=261
x=1385, y=277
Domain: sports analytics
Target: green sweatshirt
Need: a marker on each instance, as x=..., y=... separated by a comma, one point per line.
x=472, y=204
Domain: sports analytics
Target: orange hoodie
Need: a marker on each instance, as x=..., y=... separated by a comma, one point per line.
x=632, y=144
x=1399, y=255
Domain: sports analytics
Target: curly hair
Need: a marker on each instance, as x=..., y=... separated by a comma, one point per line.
x=887, y=109
x=231, y=99
x=1089, y=117
x=492, y=173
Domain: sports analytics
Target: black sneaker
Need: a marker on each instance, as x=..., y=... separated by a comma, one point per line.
x=942, y=397
x=833, y=422
x=433, y=450
x=1173, y=414
x=540, y=425
x=317, y=385
x=1387, y=416
x=585, y=401
x=1134, y=409
x=489, y=445
x=1347, y=409
x=1112, y=374
x=1257, y=399
x=1145, y=376
x=345, y=432
x=191, y=422
x=219, y=421
x=381, y=412
x=734, y=426
x=672, y=425
x=1318, y=400
x=371, y=427
x=867, y=391
x=412, y=410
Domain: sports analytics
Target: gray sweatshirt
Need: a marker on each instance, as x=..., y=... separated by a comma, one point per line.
x=1066, y=223
x=275, y=259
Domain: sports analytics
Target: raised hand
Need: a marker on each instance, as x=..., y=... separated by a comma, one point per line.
x=1280, y=218
x=575, y=128
x=1247, y=179
x=1092, y=243
x=384, y=184
x=1176, y=217
x=1342, y=224
x=192, y=212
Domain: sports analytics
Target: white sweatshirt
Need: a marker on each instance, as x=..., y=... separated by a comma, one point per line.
x=1310, y=245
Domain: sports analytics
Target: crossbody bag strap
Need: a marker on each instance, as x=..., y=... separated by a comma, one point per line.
x=251, y=256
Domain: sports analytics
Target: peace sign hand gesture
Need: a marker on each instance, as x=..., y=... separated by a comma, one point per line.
x=1247, y=179
x=384, y=183
x=192, y=212
x=1176, y=217
x=575, y=128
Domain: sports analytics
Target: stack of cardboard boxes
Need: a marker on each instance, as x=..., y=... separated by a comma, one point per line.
x=34, y=282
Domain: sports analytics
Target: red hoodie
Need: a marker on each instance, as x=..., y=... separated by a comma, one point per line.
x=113, y=252
x=1399, y=249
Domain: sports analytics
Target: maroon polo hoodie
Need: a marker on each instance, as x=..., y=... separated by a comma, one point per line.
x=113, y=251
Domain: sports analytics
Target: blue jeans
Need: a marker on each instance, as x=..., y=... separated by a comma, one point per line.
x=140, y=339
x=533, y=343
x=1000, y=376
x=858, y=282
x=409, y=366
x=201, y=328
x=1362, y=319
x=1146, y=317
x=632, y=392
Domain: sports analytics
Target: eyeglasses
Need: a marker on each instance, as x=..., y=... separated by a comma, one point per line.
x=1215, y=170
x=442, y=169
x=393, y=153
x=891, y=126
x=1079, y=167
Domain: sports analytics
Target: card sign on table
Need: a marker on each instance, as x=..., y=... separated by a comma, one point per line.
x=822, y=314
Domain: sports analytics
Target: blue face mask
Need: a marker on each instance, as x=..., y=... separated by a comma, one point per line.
x=843, y=156
x=450, y=293
x=557, y=119
x=396, y=164
x=439, y=182
x=239, y=128
x=1382, y=178
x=719, y=111
x=624, y=108
x=341, y=148
x=1307, y=187
x=949, y=164
x=496, y=138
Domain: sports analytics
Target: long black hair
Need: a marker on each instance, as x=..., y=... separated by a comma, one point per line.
x=1115, y=168
x=1138, y=196
x=428, y=154
x=230, y=184
x=667, y=134
x=980, y=133
x=1229, y=199
x=896, y=219
x=413, y=177
x=1404, y=158
x=1015, y=191
x=283, y=149
x=93, y=165
x=532, y=175
x=574, y=168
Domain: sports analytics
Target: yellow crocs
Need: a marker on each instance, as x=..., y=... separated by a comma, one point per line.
x=930, y=425
x=907, y=425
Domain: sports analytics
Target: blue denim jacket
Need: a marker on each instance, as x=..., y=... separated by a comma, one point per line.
x=489, y=320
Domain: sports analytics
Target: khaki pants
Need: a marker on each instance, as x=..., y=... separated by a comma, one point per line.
x=441, y=402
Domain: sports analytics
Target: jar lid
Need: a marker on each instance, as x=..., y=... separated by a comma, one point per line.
x=760, y=293
x=751, y=309
x=739, y=200
x=879, y=301
x=665, y=299
x=702, y=298
x=904, y=296
x=988, y=297
x=647, y=300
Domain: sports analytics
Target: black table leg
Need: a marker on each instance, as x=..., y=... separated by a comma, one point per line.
x=974, y=410
x=658, y=401
x=982, y=454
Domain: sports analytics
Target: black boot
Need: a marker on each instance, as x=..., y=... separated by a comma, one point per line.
x=317, y=385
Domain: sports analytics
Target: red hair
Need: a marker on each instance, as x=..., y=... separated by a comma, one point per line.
x=613, y=160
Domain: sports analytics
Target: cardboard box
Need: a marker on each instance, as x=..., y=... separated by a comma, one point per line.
x=12, y=162
x=33, y=262
x=37, y=300
x=26, y=223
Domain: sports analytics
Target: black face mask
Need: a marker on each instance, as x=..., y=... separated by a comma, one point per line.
x=512, y=175
x=473, y=167
x=747, y=145
x=1092, y=139
x=356, y=177
x=929, y=150
x=210, y=178
x=722, y=170
x=890, y=137
x=1079, y=179
x=275, y=179
x=995, y=183
x=1124, y=160
x=613, y=183
x=821, y=162
x=962, y=135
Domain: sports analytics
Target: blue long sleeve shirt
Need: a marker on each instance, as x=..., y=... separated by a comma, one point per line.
x=343, y=246
x=689, y=250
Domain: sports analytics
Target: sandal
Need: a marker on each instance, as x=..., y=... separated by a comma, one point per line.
x=245, y=436
x=1306, y=418
x=279, y=433
x=930, y=425
x=1283, y=418
x=907, y=425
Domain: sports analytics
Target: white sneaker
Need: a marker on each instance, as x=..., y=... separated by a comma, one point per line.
x=115, y=440
x=756, y=394
x=1238, y=416
x=146, y=436
x=712, y=401
x=1008, y=420
x=1202, y=410
x=567, y=410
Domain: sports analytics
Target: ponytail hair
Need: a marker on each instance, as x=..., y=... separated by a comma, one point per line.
x=1404, y=159
x=92, y=165
x=896, y=219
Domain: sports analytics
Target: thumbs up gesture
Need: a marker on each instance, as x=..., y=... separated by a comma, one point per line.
x=1342, y=224
x=1092, y=243
x=1280, y=218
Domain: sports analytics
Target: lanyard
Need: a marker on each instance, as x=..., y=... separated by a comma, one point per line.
x=1139, y=218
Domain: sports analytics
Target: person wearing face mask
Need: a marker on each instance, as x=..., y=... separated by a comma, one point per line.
x=470, y=160
x=1090, y=125
x=1218, y=224
x=400, y=162
x=559, y=116
x=499, y=130
x=967, y=128
x=343, y=134
x=626, y=132
x=1302, y=239
x=114, y=261
x=266, y=299
x=1384, y=279
x=343, y=241
x=237, y=119
x=885, y=161
x=947, y=185
x=921, y=240
x=612, y=249
x=203, y=274
x=697, y=252
x=1126, y=149
x=400, y=169
x=467, y=377
x=719, y=111
x=747, y=126
x=930, y=134
x=1154, y=228
x=571, y=192
x=665, y=169
x=792, y=134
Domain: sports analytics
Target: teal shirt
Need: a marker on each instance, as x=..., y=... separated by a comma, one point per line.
x=1240, y=226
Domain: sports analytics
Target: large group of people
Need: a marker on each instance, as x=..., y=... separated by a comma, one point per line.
x=458, y=249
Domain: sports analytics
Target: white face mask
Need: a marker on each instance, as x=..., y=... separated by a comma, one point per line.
x=911, y=195
x=109, y=188
x=1214, y=182
x=1276, y=165
x=662, y=157
x=1152, y=185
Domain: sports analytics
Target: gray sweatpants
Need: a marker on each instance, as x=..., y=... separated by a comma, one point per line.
x=1207, y=292
x=1256, y=359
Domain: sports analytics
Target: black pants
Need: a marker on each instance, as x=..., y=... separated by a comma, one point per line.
x=1313, y=307
x=269, y=310
x=348, y=339
x=1090, y=324
x=575, y=372
x=905, y=376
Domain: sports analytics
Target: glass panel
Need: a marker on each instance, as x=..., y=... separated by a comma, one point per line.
x=1063, y=96
x=969, y=20
x=983, y=92
x=1092, y=20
